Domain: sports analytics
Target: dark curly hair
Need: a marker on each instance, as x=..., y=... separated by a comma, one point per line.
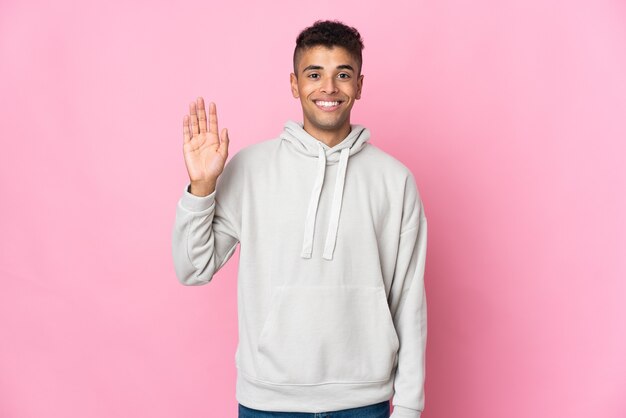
x=329, y=33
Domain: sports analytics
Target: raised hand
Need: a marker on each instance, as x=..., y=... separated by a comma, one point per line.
x=205, y=152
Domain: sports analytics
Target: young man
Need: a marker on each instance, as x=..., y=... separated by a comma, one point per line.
x=332, y=234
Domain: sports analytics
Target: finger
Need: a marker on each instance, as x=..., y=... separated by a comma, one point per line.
x=213, y=118
x=186, y=133
x=201, y=114
x=194, y=119
x=224, y=143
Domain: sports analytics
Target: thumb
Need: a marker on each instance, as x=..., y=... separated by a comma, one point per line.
x=224, y=141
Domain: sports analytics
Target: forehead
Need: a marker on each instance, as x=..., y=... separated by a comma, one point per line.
x=323, y=56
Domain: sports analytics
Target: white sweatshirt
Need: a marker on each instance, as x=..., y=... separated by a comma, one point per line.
x=331, y=299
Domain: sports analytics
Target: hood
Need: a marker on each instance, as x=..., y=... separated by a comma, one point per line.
x=306, y=144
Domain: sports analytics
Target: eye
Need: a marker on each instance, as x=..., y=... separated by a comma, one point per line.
x=344, y=75
x=314, y=75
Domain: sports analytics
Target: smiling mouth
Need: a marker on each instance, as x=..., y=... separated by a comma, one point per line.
x=328, y=105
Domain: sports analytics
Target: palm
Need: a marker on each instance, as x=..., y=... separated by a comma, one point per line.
x=205, y=153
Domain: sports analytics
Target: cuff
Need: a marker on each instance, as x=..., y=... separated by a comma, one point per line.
x=402, y=412
x=195, y=203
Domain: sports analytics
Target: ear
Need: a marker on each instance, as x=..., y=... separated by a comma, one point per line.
x=294, y=85
x=359, y=86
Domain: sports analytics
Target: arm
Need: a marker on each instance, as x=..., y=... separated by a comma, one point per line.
x=203, y=238
x=408, y=308
x=205, y=235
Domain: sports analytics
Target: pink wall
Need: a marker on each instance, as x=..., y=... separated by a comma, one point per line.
x=511, y=114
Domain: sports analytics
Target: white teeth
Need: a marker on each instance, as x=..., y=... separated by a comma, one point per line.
x=326, y=104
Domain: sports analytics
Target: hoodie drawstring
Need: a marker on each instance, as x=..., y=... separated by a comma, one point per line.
x=333, y=223
x=309, y=224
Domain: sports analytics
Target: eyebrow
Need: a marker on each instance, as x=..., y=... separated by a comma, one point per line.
x=319, y=67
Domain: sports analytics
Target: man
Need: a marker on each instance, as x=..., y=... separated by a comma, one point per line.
x=332, y=234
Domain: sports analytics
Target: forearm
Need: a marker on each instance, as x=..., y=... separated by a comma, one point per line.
x=202, y=239
x=410, y=319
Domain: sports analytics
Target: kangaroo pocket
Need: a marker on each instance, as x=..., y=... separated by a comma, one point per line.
x=327, y=334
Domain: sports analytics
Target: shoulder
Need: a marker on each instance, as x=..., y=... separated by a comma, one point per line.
x=387, y=166
x=398, y=178
x=253, y=153
x=250, y=157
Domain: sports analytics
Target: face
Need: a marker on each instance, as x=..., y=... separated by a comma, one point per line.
x=327, y=85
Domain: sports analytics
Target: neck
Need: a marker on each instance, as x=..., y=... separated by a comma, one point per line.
x=328, y=137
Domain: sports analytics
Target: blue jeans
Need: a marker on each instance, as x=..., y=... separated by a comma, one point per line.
x=377, y=410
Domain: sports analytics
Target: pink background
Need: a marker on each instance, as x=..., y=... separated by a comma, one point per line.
x=511, y=114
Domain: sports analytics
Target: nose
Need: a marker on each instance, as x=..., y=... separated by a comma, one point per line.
x=328, y=86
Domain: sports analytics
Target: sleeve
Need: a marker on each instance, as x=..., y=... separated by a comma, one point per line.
x=408, y=309
x=207, y=229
